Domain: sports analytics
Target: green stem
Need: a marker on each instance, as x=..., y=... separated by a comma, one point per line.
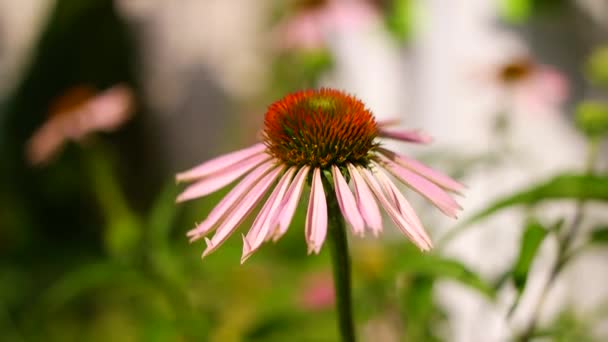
x=341, y=268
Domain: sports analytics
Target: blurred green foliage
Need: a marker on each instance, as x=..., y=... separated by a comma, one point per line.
x=520, y=11
x=596, y=68
x=592, y=118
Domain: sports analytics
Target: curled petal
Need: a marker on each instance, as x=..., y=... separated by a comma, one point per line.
x=400, y=221
x=219, y=163
x=228, y=202
x=219, y=180
x=261, y=226
x=347, y=202
x=407, y=136
x=240, y=212
x=365, y=202
x=424, y=187
x=288, y=207
x=316, y=217
x=423, y=170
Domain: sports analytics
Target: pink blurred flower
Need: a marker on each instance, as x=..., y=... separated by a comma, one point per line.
x=315, y=20
x=79, y=112
x=323, y=138
x=532, y=86
x=317, y=292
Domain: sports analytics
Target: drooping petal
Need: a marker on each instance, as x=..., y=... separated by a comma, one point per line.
x=388, y=122
x=407, y=136
x=219, y=163
x=423, y=170
x=424, y=187
x=316, y=216
x=365, y=202
x=228, y=202
x=219, y=180
x=401, y=204
x=347, y=202
x=287, y=208
x=261, y=226
x=399, y=220
x=240, y=212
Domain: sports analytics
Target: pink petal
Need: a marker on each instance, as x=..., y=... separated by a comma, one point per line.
x=423, y=170
x=288, y=207
x=365, y=202
x=424, y=187
x=219, y=163
x=316, y=217
x=410, y=231
x=401, y=204
x=388, y=122
x=229, y=201
x=240, y=212
x=219, y=180
x=108, y=110
x=408, y=136
x=261, y=226
x=347, y=202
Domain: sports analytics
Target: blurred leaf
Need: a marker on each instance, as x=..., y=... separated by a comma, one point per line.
x=567, y=327
x=519, y=11
x=530, y=242
x=599, y=236
x=592, y=118
x=88, y=277
x=162, y=215
x=438, y=266
x=399, y=19
x=597, y=66
x=516, y=11
x=566, y=186
x=419, y=309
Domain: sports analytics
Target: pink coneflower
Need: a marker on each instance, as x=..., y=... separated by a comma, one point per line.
x=79, y=112
x=532, y=85
x=314, y=20
x=324, y=138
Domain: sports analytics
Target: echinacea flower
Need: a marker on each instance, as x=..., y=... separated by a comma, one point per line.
x=314, y=20
x=324, y=138
x=531, y=85
x=76, y=114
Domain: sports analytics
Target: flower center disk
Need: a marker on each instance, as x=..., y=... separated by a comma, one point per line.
x=320, y=128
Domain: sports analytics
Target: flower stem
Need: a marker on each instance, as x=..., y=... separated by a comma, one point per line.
x=341, y=268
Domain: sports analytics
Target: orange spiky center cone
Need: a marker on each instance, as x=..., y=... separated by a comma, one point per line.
x=320, y=128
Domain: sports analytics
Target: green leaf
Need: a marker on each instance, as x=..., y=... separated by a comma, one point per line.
x=438, y=266
x=530, y=242
x=566, y=186
x=599, y=236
